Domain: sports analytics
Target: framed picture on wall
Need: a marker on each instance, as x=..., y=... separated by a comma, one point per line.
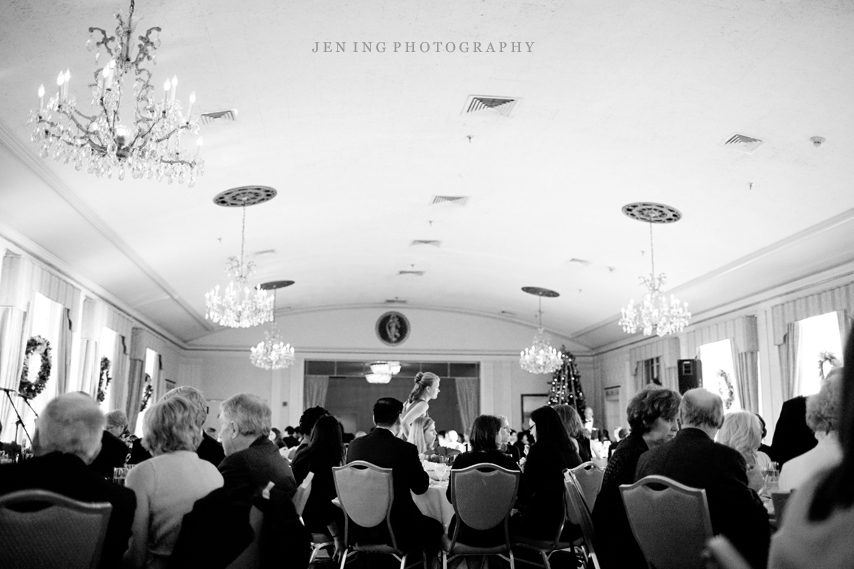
x=170, y=384
x=530, y=402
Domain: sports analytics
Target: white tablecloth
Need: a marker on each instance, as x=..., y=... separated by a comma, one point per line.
x=435, y=504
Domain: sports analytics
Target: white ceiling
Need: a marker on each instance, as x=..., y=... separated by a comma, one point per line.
x=619, y=101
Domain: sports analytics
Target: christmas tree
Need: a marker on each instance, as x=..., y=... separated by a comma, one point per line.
x=566, y=384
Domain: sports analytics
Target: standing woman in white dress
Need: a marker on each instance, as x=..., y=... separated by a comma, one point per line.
x=426, y=388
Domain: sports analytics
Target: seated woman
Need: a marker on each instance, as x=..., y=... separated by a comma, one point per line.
x=325, y=450
x=741, y=431
x=486, y=435
x=168, y=484
x=652, y=418
x=823, y=412
x=422, y=434
x=573, y=425
x=541, y=494
x=816, y=530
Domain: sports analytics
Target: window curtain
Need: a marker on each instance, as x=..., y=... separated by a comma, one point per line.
x=12, y=345
x=844, y=319
x=90, y=336
x=832, y=300
x=747, y=368
x=119, y=372
x=468, y=396
x=158, y=381
x=136, y=378
x=665, y=348
x=788, y=353
x=63, y=353
x=316, y=387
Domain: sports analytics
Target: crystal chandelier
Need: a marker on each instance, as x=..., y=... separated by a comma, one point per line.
x=541, y=357
x=656, y=314
x=148, y=147
x=240, y=306
x=382, y=372
x=273, y=352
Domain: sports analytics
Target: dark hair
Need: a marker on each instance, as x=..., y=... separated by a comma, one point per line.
x=623, y=433
x=387, y=411
x=423, y=380
x=289, y=430
x=836, y=489
x=761, y=424
x=309, y=418
x=550, y=429
x=326, y=440
x=483, y=432
x=570, y=419
x=650, y=403
x=277, y=437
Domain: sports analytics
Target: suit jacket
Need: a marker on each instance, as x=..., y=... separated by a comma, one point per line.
x=250, y=470
x=792, y=435
x=67, y=474
x=383, y=449
x=693, y=459
x=114, y=454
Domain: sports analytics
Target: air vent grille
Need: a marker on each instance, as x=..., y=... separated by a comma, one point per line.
x=395, y=301
x=411, y=273
x=743, y=142
x=477, y=104
x=455, y=200
x=244, y=196
x=216, y=117
x=427, y=242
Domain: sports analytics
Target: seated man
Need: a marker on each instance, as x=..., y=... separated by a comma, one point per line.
x=694, y=459
x=382, y=448
x=114, y=451
x=67, y=438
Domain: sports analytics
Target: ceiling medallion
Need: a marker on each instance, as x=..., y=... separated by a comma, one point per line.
x=541, y=357
x=150, y=146
x=656, y=314
x=382, y=372
x=392, y=328
x=240, y=306
x=273, y=352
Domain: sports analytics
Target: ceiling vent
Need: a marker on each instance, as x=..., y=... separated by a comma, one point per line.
x=743, y=142
x=477, y=104
x=411, y=273
x=264, y=253
x=395, y=301
x=455, y=200
x=217, y=117
x=427, y=242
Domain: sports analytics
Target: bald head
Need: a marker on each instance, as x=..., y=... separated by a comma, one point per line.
x=71, y=423
x=702, y=409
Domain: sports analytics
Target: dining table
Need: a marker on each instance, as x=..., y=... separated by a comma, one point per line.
x=434, y=502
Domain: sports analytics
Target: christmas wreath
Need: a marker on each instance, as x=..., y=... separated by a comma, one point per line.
x=725, y=388
x=826, y=358
x=104, y=379
x=147, y=392
x=27, y=388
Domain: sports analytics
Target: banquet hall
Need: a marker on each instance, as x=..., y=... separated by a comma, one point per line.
x=409, y=168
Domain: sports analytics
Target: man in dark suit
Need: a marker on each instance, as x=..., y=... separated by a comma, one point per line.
x=694, y=459
x=252, y=461
x=66, y=440
x=381, y=447
x=792, y=435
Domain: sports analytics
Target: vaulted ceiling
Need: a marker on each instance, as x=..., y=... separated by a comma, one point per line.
x=617, y=102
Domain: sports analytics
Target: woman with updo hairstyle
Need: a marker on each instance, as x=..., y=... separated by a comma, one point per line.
x=651, y=415
x=486, y=438
x=743, y=432
x=168, y=484
x=426, y=388
x=423, y=434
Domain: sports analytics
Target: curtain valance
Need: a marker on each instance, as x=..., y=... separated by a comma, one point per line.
x=835, y=299
x=743, y=332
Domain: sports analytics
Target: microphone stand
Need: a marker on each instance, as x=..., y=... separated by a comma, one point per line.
x=20, y=421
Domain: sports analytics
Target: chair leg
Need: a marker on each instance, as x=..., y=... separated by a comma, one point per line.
x=545, y=560
x=444, y=560
x=344, y=557
x=403, y=561
x=512, y=561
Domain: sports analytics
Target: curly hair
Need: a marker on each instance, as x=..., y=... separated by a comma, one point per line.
x=741, y=431
x=170, y=425
x=824, y=408
x=650, y=403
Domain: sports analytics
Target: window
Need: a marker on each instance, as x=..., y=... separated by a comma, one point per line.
x=652, y=371
x=107, y=349
x=818, y=337
x=719, y=373
x=152, y=373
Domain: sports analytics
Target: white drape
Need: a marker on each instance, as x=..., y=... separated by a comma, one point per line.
x=316, y=387
x=468, y=396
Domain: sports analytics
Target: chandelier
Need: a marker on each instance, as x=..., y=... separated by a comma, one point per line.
x=656, y=314
x=541, y=357
x=273, y=352
x=240, y=306
x=382, y=372
x=150, y=146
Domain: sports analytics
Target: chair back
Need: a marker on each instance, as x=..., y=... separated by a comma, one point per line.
x=483, y=495
x=670, y=521
x=721, y=554
x=302, y=494
x=779, y=499
x=588, y=478
x=575, y=504
x=366, y=494
x=66, y=529
x=250, y=558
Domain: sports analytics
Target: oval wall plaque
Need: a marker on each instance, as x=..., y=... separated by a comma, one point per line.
x=392, y=328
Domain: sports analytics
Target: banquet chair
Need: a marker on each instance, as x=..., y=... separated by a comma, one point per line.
x=65, y=529
x=319, y=541
x=365, y=492
x=483, y=496
x=250, y=558
x=547, y=547
x=575, y=504
x=670, y=521
x=721, y=554
x=588, y=478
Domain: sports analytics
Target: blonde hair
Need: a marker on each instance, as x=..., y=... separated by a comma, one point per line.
x=423, y=380
x=195, y=397
x=416, y=433
x=170, y=425
x=741, y=431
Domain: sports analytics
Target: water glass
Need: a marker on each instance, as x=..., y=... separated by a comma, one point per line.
x=120, y=474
